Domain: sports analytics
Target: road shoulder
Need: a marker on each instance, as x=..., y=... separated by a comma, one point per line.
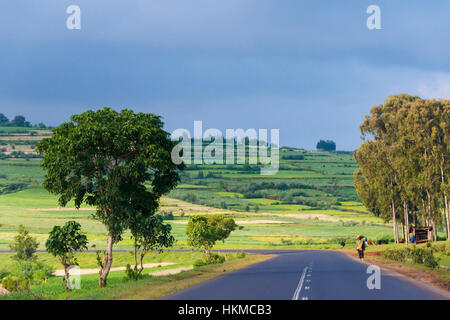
x=417, y=275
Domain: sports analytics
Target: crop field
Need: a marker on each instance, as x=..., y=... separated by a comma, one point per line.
x=309, y=203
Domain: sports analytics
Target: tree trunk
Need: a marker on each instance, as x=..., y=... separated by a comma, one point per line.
x=435, y=232
x=135, y=255
x=405, y=213
x=446, y=208
x=104, y=271
x=143, y=253
x=394, y=222
x=403, y=230
x=66, y=277
x=208, y=253
x=446, y=217
x=430, y=223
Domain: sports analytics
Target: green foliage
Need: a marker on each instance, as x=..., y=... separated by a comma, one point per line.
x=24, y=245
x=132, y=273
x=63, y=241
x=166, y=215
x=213, y=259
x=12, y=284
x=326, y=145
x=203, y=232
x=149, y=233
x=241, y=255
x=107, y=159
x=404, y=164
x=423, y=256
x=396, y=255
x=3, y=273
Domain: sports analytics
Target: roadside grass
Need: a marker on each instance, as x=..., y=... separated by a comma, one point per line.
x=149, y=287
x=374, y=253
x=157, y=287
x=87, y=260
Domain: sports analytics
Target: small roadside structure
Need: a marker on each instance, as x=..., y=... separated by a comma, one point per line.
x=421, y=234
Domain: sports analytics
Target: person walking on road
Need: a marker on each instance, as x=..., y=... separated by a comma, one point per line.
x=360, y=246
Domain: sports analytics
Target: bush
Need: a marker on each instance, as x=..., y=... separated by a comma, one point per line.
x=213, y=259
x=24, y=245
x=166, y=215
x=416, y=255
x=216, y=259
x=132, y=273
x=12, y=283
x=3, y=274
x=430, y=260
x=396, y=255
x=200, y=263
x=240, y=255
x=287, y=242
x=32, y=271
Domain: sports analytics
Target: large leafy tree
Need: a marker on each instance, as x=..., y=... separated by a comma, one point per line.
x=119, y=162
x=204, y=232
x=63, y=242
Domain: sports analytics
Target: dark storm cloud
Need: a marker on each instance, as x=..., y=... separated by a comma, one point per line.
x=310, y=68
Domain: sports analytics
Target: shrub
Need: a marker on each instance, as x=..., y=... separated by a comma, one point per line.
x=200, y=263
x=216, y=259
x=3, y=274
x=240, y=255
x=24, y=245
x=167, y=215
x=430, y=260
x=396, y=255
x=132, y=273
x=417, y=255
x=32, y=271
x=12, y=283
x=286, y=242
x=213, y=259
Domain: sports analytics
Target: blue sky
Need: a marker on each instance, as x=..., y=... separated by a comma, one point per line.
x=309, y=68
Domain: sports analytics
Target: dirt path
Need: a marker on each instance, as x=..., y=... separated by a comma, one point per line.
x=170, y=271
x=60, y=272
x=246, y=222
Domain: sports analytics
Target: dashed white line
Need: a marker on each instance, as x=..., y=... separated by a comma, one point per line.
x=300, y=285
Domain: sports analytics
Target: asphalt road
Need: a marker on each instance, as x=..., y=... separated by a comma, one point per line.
x=307, y=275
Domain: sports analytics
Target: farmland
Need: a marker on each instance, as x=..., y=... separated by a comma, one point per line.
x=309, y=203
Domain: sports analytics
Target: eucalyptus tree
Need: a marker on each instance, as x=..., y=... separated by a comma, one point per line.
x=118, y=162
x=411, y=140
x=375, y=184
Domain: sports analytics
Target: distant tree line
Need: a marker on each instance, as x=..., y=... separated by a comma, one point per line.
x=18, y=121
x=326, y=145
x=404, y=165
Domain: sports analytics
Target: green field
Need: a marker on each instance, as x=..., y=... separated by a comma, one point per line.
x=310, y=203
x=272, y=211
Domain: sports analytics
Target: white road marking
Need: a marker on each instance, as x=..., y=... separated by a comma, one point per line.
x=300, y=285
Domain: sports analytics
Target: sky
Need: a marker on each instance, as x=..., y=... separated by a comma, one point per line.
x=311, y=69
